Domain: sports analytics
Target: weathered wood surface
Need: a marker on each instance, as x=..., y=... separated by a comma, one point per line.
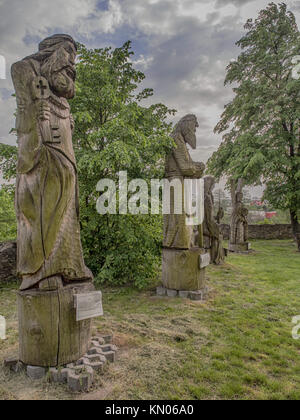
x=88, y=305
x=213, y=238
x=181, y=269
x=47, y=199
x=180, y=259
x=239, y=216
x=180, y=166
x=49, y=333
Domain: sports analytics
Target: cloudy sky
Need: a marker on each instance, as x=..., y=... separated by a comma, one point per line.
x=183, y=47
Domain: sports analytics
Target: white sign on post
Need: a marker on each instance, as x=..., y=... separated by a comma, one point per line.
x=204, y=260
x=2, y=328
x=2, y=68
x=88, y=305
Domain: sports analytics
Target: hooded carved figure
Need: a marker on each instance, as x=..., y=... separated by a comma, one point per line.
x=47, y=204
x=239, y=223
x=213, y=239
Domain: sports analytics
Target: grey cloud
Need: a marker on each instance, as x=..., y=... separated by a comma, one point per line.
x=5, y=93
x=22, y=24
x=188, y=69
x=202, y=154
x=186, y=50
x=237, y=3
x=190, y=52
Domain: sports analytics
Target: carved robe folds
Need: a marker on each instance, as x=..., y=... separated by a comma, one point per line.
x=239, y=223
x=181, y=269
x=47, y=191
x=49, y=257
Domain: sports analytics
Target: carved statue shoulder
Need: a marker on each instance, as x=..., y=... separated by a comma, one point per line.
x=22, y=75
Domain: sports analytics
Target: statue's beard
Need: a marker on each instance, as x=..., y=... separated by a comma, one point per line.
x=60, y=73
x=190, y=138
x=62, y=83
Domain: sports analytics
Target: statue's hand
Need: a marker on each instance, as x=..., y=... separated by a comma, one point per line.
x=44, y=111
x=200, y=168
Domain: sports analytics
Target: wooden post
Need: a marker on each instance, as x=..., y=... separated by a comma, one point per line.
x=181, y=269
x=49, y=333
x=50, y=253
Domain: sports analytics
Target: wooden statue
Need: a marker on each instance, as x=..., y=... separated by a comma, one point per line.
x=220, y=215
x=213, y=239
x=239, y=223
x=181, y=269
x=49, y=258
x=179, y=165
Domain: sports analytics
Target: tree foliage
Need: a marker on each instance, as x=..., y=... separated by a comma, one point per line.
x=115, y=132
x=8, y=161
x=261, y=125
x=8, y=224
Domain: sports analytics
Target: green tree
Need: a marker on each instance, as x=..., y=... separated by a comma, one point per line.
x=8, y=162
x=261, y=125
x=8, y=224
x=114, y=132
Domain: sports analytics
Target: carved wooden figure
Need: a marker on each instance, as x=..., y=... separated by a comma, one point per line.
x=179, y=165
x=239, y=223
x=49, y=258
x=220, y=215
x=181, y=268
x=213, y=239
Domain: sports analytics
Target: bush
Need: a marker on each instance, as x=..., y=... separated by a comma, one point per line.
x=114, y=132
x=8, y=223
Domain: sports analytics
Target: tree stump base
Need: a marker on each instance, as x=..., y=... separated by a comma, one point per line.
x=198, y=295
x=49, y=335
x=242, y=247
x=181, y=269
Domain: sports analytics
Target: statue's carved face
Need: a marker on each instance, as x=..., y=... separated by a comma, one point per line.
x=59, y=69
x=245, y=212
x=189, y=128
x=239, y=197
x=209, y=184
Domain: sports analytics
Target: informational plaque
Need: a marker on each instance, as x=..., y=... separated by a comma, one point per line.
x=204, y=260
x=88, y=305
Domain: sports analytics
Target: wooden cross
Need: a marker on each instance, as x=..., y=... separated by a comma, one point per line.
x=42, y=87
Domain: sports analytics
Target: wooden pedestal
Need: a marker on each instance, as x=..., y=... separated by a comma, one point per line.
x=244, y=247
x=181, y=269
x=49, y=335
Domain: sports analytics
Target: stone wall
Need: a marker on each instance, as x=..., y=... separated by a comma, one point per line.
x=264, y=231
x=8, y=258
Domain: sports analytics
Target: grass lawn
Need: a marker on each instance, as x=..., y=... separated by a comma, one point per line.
x=236, y=345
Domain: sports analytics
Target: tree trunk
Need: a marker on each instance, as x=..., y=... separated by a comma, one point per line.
x=49, y=334
x=295, y=227
x=181, y=269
